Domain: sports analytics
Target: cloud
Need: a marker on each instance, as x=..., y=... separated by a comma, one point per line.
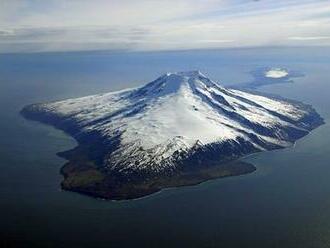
x=5, y=33
x=310, y=38
x=59, y=25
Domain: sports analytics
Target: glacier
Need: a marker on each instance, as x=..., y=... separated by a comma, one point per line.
x=179, y=121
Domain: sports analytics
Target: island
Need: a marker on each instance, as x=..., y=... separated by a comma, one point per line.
x=180, y=129
x=269, y=75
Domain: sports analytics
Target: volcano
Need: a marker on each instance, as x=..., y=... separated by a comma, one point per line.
x=180, y=129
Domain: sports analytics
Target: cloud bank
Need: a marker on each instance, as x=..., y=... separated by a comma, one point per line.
x=153, y=25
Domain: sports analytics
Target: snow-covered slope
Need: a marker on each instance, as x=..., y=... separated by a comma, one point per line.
x=179, y=117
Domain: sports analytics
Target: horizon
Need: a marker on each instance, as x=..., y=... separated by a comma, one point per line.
x=61, y=26
x=204, y=120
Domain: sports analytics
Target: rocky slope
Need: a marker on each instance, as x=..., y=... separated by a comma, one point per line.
x=180, y=123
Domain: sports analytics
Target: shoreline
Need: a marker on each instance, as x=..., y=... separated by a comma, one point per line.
x=83, y=172
x=138, y=190
x=82, y=175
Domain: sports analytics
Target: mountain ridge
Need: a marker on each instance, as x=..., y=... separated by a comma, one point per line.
x=179, y=122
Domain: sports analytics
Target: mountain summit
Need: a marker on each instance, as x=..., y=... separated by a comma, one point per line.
x=179, y=122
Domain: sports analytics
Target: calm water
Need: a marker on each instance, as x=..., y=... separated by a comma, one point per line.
x=285, y=203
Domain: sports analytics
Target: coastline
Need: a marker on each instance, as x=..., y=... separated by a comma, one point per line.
x=83, y=172
x=83, y=175
x=77, y=169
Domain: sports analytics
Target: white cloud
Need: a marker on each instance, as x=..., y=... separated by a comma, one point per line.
x=309, y=38
x=276, y=73
x=160, y=25
x=6, y=32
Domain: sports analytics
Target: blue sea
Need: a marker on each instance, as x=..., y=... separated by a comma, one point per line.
x=285, y=203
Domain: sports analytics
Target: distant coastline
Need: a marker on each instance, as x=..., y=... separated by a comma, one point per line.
x=269, y=75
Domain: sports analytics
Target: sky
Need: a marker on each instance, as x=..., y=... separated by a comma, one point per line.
x=158, y=25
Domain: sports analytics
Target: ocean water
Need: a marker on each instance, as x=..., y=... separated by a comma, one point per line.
x=285, y=203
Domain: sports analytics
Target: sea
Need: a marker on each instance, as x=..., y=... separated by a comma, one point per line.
x=284, y=203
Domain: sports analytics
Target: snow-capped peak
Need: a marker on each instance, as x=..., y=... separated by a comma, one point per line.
x=171, y=117
x=173, y=83
x=190, y=74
